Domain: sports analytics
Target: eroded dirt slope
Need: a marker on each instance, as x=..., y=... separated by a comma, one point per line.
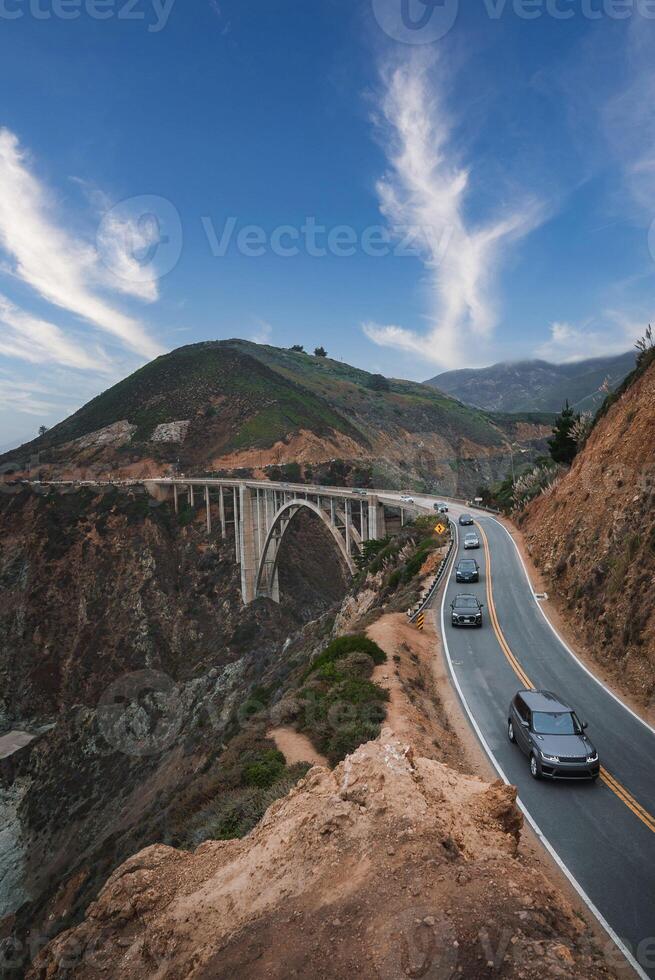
x=593, y=536
x=386, y=866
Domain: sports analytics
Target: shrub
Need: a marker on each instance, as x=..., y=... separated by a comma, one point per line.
x=234, y=813
x=348, y=738
x=264, y=770
x=344, y=645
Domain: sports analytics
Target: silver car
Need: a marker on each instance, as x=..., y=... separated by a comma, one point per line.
x=471, y=540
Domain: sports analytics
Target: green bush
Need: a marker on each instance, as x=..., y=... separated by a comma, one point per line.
x=234, y=812
x=264, y=770
x=348, y=738
x=344, y=645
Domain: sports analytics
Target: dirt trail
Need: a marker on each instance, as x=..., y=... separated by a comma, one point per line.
x=296, y=747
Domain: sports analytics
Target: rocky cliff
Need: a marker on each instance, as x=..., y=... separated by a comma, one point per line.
x=124, y=647
x=593, y=535
x=387, y=866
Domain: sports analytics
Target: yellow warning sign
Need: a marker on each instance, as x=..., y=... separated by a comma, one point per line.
x=439, y=528
x=420, y=621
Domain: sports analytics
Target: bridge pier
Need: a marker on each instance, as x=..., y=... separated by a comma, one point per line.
x=209, y=513
x=221, y=511
x=376, y=521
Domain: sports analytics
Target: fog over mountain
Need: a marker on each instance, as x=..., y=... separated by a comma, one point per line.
x=523, y=386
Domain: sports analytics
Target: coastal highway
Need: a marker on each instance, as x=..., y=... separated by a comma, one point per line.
x=602, y=834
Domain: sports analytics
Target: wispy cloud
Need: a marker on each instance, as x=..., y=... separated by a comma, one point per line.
x=60, y=268
x=24, y=397
x=263, y=334
x=426, y=189
x=37, y=341
x=568, y=342
x=628, y=116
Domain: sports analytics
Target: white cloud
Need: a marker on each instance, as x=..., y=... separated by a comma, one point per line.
x=629, y=116
x=570, y=343
x=35, y=340
x=264, y=333
x=26, y=398
x=426, y=189
x=61, y=269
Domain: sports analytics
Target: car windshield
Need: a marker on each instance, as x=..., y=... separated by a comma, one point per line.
x=467, y=565
x=555, y=723
x=466, y=602
x=470, y=537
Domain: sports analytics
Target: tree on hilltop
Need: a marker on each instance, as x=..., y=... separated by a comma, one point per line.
x=320, y=352
x=298, y=348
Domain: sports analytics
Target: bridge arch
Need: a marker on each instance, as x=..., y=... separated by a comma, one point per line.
x=266, y=583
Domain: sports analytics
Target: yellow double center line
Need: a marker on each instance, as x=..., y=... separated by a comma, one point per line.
x=610, y=781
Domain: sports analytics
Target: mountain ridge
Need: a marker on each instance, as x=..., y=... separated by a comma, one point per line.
x=535, y=384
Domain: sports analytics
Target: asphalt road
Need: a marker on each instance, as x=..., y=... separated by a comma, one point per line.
x=603, y=833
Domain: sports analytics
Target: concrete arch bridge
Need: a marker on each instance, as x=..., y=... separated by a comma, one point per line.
x=261, y=513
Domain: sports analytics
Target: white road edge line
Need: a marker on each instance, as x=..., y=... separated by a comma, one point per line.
x=563, y=641
x=544, y=840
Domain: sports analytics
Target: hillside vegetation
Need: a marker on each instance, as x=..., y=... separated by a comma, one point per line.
x=536, y=386
x=593, y=534
x=243, y=407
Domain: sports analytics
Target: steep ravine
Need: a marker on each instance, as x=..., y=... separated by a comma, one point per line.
x=125, y=647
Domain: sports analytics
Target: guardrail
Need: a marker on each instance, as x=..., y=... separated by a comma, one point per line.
x=428, y=595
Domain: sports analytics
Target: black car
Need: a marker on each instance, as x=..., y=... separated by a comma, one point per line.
x=549, y=732
x=467, y=570
x=466, y=610
x=465, y=520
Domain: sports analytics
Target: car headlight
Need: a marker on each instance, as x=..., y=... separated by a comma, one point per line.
x=593, y=757
x=550, y=758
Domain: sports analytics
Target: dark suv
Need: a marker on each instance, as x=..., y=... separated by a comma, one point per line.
x=549, y=732
x=467, y=570
x=466, y=520
x=466, y=610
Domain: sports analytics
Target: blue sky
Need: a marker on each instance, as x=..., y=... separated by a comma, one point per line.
x=480, y=178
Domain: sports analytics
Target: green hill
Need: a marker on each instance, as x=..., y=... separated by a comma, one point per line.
x=248, y=406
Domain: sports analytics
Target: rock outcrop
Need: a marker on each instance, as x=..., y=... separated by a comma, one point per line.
x=387, y=866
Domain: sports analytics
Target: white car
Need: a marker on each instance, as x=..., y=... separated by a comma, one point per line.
x=406, y=499
x=471, y=540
